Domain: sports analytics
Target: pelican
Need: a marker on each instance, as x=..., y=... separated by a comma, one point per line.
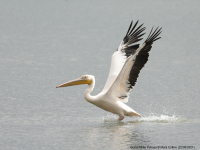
x=126, y=63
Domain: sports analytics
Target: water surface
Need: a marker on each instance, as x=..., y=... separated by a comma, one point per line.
x=46, y=43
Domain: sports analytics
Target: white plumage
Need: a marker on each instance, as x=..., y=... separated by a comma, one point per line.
x=126, y=64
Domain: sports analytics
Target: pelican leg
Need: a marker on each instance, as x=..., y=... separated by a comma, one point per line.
x=121, y=118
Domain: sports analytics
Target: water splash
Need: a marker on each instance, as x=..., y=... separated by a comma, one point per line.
x=160, y=119
x=110, y=118
x=152, y=118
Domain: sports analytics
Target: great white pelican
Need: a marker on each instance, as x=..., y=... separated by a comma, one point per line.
x=126, y=64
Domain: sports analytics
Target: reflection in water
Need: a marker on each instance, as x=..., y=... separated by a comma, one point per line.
x=115, y=135
x=122, y=135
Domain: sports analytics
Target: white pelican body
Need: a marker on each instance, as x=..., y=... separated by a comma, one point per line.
x=108, y=102
x=126, y=64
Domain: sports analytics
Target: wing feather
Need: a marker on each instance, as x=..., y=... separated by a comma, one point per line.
x=126, y=48
x=128, y=75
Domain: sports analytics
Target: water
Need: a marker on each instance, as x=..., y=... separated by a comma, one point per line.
x=46, y=43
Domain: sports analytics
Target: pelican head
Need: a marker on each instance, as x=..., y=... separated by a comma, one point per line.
x=85, y=79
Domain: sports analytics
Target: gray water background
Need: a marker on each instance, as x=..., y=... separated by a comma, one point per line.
x=46, y=43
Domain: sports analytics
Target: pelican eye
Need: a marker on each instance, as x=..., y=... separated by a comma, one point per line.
x=84, y=77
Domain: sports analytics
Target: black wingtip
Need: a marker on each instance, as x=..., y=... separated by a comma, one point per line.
x=133, y=33
x=129, y=27
x=153, y=36
x=130, y=30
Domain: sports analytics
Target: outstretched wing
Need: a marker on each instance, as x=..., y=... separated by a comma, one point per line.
x=128, y=76
x=126, y=48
